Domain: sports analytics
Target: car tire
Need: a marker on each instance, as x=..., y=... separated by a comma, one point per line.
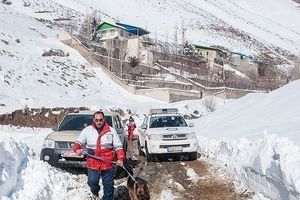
x=193, y=156
x=149, y=157
x=125, y=145
x=53, y=159
x=141, y=153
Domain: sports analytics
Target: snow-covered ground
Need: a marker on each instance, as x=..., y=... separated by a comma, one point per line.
x=255, y=137
x=32, y=80
x=258, y=138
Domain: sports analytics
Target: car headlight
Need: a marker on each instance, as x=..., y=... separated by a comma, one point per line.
x=48, y=143
x=191, y=135
x=155, y=137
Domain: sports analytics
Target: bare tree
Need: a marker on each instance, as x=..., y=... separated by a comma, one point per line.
x=122, y=54
x=89, y=26
x=209, y=103
x=95, y=20
x=296, y=71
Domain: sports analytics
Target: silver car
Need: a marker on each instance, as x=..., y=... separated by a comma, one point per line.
x=57, y=146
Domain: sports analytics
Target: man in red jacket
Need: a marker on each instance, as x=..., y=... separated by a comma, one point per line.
x=102, y=141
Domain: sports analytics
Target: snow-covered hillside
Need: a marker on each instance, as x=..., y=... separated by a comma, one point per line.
x=258, y=138
x=240, y=25
x=30, y=79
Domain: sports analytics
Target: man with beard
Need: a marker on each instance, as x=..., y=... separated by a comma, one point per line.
x=102, y=141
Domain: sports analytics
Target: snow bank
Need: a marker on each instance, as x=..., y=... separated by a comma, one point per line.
x=26, y=177
x=269, y=165
x=13, y=159
x=258, y=138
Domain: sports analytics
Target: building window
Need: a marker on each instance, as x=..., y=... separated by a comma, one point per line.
x=112, y=32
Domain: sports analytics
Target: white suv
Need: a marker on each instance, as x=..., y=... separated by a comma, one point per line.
x=57, y=147
x=165, y=131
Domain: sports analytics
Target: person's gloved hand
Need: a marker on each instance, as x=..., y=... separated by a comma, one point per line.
x=120, y=163
x=79, y=152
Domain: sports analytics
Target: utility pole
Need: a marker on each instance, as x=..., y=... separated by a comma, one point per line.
x=175, y=37
x=224, y=86
x=224, y=91
x=183, y=39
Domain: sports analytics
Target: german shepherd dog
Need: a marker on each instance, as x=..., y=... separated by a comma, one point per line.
x=138, y=189
x=135, y=190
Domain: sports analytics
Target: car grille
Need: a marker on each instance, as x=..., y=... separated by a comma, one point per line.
x=64, y=145
x=174, y=137
x=179, y=145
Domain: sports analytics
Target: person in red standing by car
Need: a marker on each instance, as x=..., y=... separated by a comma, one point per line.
x=131, y=127
x=101, y=141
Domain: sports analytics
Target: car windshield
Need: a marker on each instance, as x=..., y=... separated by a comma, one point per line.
x=79, y=122
x=167, y=121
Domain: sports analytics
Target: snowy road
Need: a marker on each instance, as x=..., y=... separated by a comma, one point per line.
x=198, y=179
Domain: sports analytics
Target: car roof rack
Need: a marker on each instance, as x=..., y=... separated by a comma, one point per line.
x=163, y=110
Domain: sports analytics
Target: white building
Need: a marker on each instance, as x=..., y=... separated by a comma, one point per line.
x=129, y=39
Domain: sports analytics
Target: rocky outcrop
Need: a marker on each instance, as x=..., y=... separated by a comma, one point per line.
x=36, y=117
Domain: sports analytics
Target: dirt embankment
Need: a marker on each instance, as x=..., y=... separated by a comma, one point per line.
x=36, y=117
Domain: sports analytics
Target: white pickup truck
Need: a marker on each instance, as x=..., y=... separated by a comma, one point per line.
x=165, y=132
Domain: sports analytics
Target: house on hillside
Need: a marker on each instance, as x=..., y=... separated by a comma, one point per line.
x=243, y=63
x=128, y=39
x=215, y=57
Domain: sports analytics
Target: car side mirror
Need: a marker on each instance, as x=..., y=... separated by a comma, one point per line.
x=143, y=126
x=191, y=124
x=54, y=128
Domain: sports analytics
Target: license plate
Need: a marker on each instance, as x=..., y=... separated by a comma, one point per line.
x=70, y=154
x=175, y=149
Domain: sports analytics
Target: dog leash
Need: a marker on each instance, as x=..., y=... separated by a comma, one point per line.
x=113, y=162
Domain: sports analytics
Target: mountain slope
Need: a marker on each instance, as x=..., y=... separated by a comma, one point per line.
x=253, y=27
x=37, y=70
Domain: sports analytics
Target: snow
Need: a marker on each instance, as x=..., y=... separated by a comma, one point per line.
x=167, y=195
x=256, y=137
x=60, y=81
x=193, y=176
x=269, y=22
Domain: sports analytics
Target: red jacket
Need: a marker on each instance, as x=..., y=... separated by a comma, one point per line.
x=101, y=144
x=131, y=127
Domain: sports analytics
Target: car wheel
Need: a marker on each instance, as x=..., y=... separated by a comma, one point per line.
x=52, y=159
x=141, y=153
x=149, y=157
x=193, y=156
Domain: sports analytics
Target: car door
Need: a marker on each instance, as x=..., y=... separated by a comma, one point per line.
x=119, y=128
